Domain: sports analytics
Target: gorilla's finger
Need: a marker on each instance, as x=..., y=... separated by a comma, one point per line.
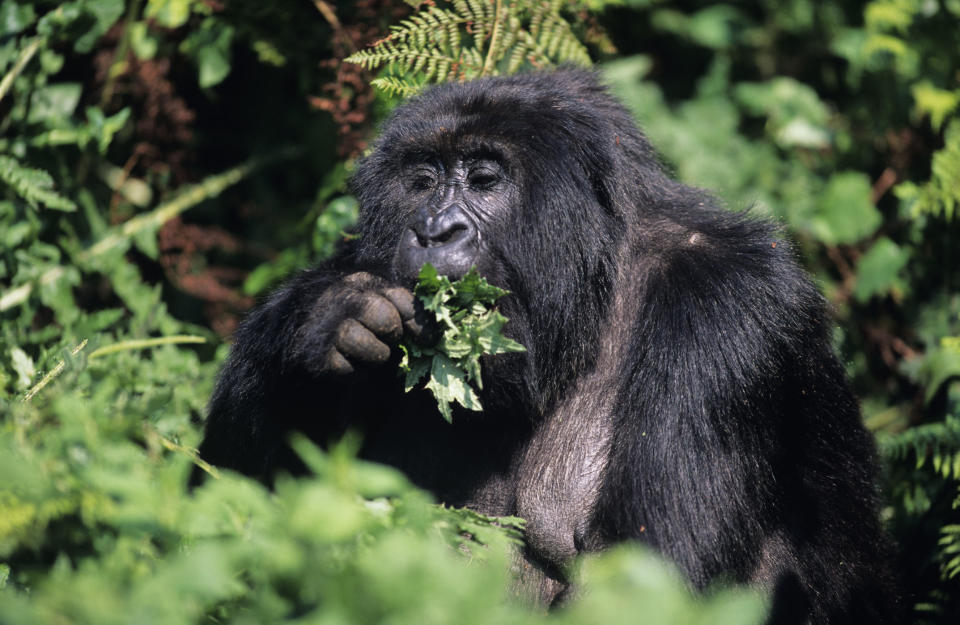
x=336, y=363
x=360, y=279
x=380, y=316
x=417, y=321
x=355, y=341
x=403, y=300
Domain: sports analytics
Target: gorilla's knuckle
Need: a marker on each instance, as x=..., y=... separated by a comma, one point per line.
x=336, y=363
x=380, y=316
x=356, y=341
x=403, y=301
x=360, y=279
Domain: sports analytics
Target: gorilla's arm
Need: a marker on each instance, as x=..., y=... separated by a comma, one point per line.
x=738, y=439
x=313, y=338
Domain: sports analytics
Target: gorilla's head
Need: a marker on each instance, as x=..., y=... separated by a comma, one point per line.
x=499, y=173
x=535, y=179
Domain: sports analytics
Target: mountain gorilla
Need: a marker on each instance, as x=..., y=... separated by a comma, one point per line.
x=678, y=388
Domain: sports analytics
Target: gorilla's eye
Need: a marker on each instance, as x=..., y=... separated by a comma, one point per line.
x=483, y=179
x=422, y=181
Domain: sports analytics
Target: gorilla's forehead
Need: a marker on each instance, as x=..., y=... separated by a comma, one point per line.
x=447, y=146
x=451, y=133
x=492, y=114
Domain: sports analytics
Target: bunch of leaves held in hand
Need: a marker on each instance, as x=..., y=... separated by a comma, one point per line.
x=469, y=328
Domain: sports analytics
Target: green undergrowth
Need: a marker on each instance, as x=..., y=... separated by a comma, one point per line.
x=98, y=526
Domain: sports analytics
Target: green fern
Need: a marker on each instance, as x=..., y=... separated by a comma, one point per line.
x=33, y=185
x=470, y=39
x=938, y=443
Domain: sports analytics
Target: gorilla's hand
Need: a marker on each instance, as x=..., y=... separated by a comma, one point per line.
x=355, y=321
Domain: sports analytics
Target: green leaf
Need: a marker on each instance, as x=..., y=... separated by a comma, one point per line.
x=143, y=42
x=103, y=128
x=469, y=327
x=209, y=46
x=339, y=215
x=23, y=366
x=878, y=270
x=83, y=21
x=169, y=13
x=54, y=104
x=15, y=17
x=33, y=185
x=448, y=383
x=796, y=115
x=935, y=102
x=940, y=195
x=844, y=212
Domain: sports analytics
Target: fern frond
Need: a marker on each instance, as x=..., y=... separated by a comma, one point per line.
x=396, y=86
x=939, y=195
x=949, y=551
x=33, y=185
x=469, y=39
x=937, y=443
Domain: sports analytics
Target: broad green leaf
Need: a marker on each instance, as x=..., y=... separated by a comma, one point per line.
x=143, y=42
x=15, y=17
x=844, y=212
x=209, y=46
x=169, y=13
x=54, y=104
x=878, y=270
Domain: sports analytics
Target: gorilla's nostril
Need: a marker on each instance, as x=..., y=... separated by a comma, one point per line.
x=422, y=240
x=449, y=235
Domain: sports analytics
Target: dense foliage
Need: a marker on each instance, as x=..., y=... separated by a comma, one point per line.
x=165, y=162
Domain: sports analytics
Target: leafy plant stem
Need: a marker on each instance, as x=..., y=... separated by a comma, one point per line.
x=124, y=346
x=191, y=453
x=119, y=58
x=52, y=374
x=21, y=63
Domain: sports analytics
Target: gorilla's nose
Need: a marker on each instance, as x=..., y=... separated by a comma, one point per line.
x=445, y=228
x=448, y=240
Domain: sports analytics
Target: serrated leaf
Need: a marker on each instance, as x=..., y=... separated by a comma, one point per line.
x=33, y=185
x=470, y=329
x=492, y=340
x=448, y=384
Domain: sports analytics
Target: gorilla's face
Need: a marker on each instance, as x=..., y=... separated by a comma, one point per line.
x=451, y=206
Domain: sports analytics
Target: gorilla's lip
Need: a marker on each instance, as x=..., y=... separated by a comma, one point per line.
x=453, y=260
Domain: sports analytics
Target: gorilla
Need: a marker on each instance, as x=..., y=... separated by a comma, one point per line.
x=679, y=386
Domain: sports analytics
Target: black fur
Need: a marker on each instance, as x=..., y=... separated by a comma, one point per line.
x=679, y=386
